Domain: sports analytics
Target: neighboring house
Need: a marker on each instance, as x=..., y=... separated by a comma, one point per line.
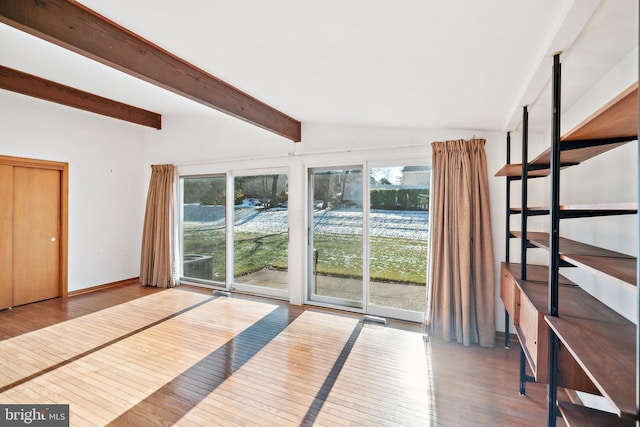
x=416, y=175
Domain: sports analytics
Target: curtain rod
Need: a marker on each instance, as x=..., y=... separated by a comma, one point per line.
x=293, y=154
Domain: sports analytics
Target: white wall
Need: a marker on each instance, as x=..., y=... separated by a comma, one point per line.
x=106, y=195
x=210, y=139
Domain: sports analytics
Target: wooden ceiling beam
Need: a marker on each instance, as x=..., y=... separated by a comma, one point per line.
x=81, y=30
x=28, y=84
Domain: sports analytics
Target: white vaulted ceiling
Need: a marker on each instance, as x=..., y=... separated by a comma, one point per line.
x=463, y=64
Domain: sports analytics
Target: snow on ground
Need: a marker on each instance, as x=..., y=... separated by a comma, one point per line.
x=399, y=224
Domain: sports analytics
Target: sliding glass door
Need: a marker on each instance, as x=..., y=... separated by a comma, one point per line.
x=368, y=239
x=235, y=231
x=367, y=235
x=261, y=232
x=335, y=236
x=398, y=240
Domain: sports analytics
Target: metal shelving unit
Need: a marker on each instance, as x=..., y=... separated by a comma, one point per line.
x=602, y=346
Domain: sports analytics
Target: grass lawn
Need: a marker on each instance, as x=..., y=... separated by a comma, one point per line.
x=254, y=252
x=398, y=260
x=392, y=259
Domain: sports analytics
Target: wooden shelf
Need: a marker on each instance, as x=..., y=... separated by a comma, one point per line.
x=584, y=211
x=571, y=154
x=535, y=273
x=579, y=416
x=574, y=302
x=614, y=264
x=515, y=170
x=575, y=156
x=617, y=119
x=606, y=351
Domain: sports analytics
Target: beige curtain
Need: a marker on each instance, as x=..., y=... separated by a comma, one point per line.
x=156, y=263
x=461, y=295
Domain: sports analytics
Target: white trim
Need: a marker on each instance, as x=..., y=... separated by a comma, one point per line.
x=260, y=290
x=229, y=229
x=177, y=230
x=366, y=247
x=211, y=285
x=297, y=262
x=427, y=309
x=387, y=155
x=275, y=170
x=397, y=313
x=258, y=161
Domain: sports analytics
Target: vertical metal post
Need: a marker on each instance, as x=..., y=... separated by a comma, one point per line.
x=508, y=207
x=507, y=236
x=554, y=241
x=523, y=373
x=523, y=229
x=523, y=203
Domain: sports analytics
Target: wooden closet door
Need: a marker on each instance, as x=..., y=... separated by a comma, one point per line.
x=6, y=236
x=36, y=234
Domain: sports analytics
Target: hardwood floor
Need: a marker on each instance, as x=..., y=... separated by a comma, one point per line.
x=139, y=356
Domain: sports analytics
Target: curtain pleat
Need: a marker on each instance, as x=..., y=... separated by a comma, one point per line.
x=461, y=291
x=156, y=262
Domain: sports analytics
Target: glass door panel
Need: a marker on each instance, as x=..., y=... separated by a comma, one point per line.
x=203, y=228
x=398, y=237
x=261, y=230
x=336, y=236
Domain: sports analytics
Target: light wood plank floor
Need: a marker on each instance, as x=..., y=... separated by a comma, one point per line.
x=139, y=356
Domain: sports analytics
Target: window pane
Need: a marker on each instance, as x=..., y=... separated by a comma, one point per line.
x=203, y=228
x=399, y=236
x=261, y=225
x=337, y=235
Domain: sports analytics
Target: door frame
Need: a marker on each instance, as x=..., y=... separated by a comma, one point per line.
x=324, y=300
x=63, y=167
x=239, y=286
x=365, y=164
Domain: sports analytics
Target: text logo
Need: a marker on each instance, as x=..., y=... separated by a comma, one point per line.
x=34, y=415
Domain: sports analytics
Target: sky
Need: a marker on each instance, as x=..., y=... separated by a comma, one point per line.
x=393, y=174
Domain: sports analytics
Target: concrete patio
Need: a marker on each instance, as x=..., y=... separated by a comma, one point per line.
x=395, y=295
